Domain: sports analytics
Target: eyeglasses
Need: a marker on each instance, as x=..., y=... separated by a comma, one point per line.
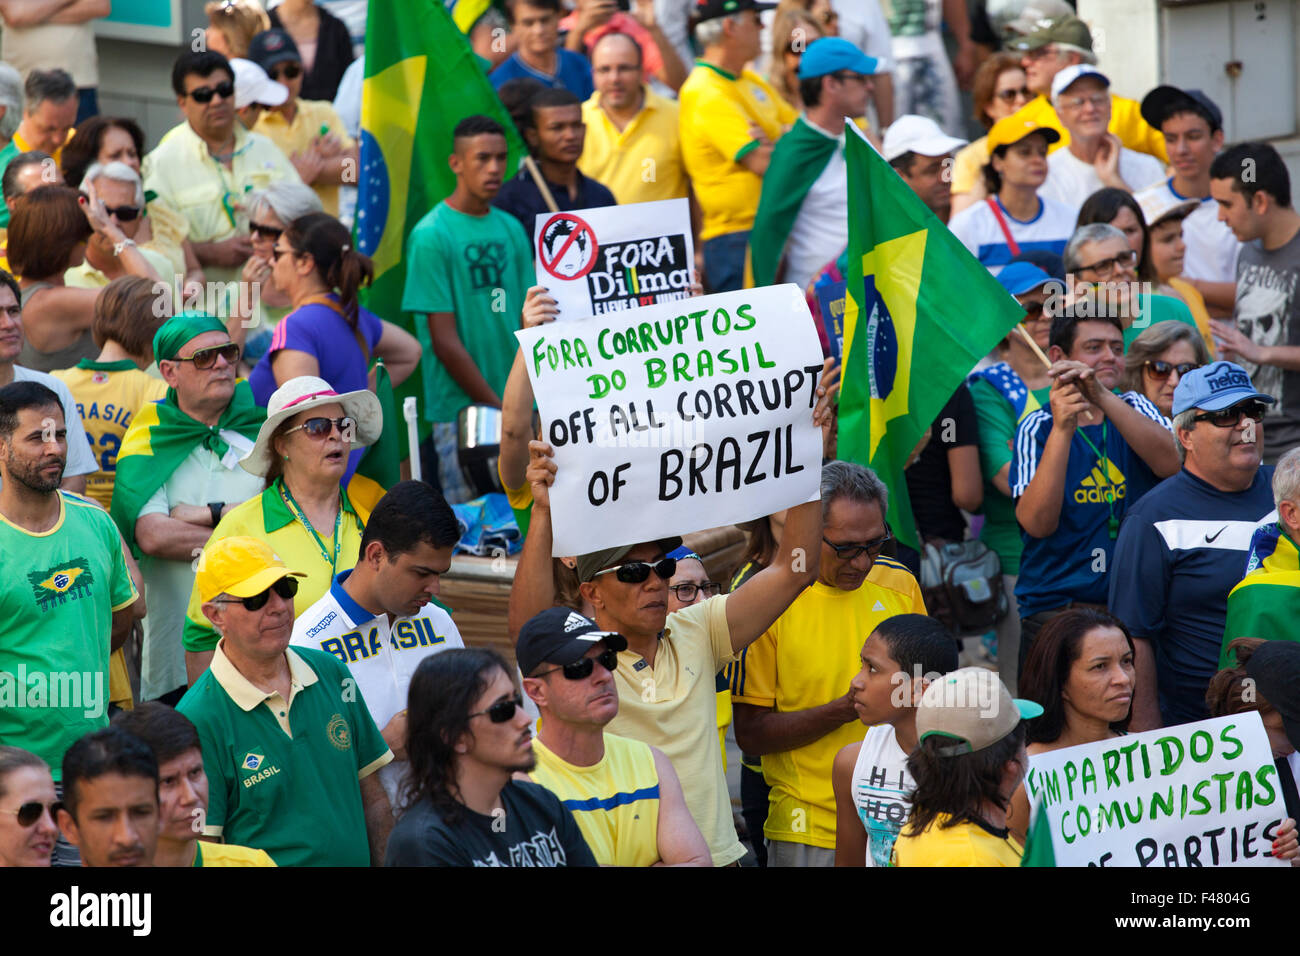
x=1010, y=96
x=848, y=552
x=502, y=710
x=266, y=232
x=1105, y=267
x=636, y=572
x=1158, y=369
x=322, y=428
x=123, y=213
x=205, y=359
x=1231, y=417
x=581, y=669
x=290, y=71
x=686, y=592
x=286, y=587
x=204, y=94
x=1078, y=102
x=30, y=812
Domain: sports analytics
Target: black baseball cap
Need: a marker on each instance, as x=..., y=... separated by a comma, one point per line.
x=1164, y=101
x=1275, y=668
x=560, y=635
x=712, y=9
x=272, y=47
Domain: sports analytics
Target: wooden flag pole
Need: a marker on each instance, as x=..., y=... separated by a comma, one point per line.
x=541, y=183
x=1029, y=340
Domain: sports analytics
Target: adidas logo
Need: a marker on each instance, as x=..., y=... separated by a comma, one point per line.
x=878, y=606
x=574, y=622
x=1096, y=488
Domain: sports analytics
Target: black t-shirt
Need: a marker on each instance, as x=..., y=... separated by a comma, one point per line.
x=534, y=830
x=929, y=482
x=521, y=198
x=333, y=56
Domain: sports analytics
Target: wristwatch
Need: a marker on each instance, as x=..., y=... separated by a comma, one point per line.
x=214, y=508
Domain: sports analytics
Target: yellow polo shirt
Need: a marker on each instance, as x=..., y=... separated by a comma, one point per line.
x=717, y=108
x=1126, y=122
x=311, y=117
x=228, y=854
x=643, y=162
x=671, y=705
x=806, y=660
x=965, y=844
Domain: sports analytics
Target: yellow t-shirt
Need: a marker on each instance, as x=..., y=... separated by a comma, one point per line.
x=966, y=165
x=108, y=395
x=615, y=802
x=1196, y=305
x=295, y=137
x=672, y=706
x=965, y=844
x=228, y=854
x=1126, y=122
x=806, y=660
x=643, y=163
x=717, y=109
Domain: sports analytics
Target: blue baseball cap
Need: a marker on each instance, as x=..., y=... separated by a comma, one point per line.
x=1215, y=386
x=832, y=54
x=1021, y=277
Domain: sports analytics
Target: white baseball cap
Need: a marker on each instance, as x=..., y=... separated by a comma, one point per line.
x=1075, y=71
x=920, y=135
x=253, y=85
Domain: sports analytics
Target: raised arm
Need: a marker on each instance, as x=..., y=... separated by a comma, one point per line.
x=517, y=399
x=533, y=590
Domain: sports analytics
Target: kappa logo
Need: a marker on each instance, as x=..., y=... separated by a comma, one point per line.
x=252, y=761
x=575, y=621
x=1098, y=487
x=57, y=585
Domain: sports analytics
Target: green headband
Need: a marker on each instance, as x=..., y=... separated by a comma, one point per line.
x=179, y=329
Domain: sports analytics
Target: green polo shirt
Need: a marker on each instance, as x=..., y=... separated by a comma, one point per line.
x=283, y=776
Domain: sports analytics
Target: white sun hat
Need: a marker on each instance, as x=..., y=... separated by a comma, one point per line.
x=306, y=392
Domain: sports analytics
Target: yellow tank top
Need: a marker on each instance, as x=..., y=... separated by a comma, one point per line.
x=615, y=802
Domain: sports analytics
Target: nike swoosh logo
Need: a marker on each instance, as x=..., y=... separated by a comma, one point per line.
x=1209, y=538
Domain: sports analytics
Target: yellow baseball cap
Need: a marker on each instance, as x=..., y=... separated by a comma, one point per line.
x=1012, y=129
x=240, y=566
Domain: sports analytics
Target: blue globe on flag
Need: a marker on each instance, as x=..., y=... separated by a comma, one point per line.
x=881, y=338
x=373, y=195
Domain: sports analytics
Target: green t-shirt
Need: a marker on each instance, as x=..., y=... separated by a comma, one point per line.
x=478, y=268
x=6, y=154
x=997, y=430
x=295, y=795
x=57, y=598
x=1163, y=308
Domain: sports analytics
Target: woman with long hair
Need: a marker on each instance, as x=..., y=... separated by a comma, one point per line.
x=998, y=90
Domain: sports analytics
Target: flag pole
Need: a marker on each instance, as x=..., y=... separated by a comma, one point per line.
x=412, y=435
x=1029, y=340
x=541, y=183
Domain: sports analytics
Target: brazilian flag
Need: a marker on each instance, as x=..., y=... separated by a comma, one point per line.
x=381, y=466
x=920, y=312
x=1266, y=602
x=422, y=78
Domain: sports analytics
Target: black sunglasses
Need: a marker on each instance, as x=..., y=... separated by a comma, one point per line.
x=266, y=232
x=290, y=71
x=277, y=252
x=204, y=94
x=636, y=572
x=123, y=213
x=1035, y=311
x=686, y=592
x=581, y=669
x=1160, y=369
x=321, y=428
x=502, y=710
x=847, y=552
x=29, y=813
x=286, y=587
x=205, y=359
x=1231, y=417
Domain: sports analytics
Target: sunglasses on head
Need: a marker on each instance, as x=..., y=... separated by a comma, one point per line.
x=290, y=71
x=848, y=552
x=123, y=213
x=502, y=710
x=321, y=428
x=30, y=812
x=286, y=587
x=1231, y=417
x=204, y=94
x=205, y=359
x=581, y=669
x=265, y=232
x=636, y=572
x=1158, y=369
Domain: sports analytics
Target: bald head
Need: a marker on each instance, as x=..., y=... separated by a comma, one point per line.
x=616, y=71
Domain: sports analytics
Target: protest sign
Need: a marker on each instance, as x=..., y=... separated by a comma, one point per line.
x=1199, y=794
x=678, y=417
x=830, y=302
x=613, y=258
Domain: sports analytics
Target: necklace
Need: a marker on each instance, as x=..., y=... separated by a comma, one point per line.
x=1108, y=487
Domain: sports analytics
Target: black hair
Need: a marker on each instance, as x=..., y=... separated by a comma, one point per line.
x=904, y=162
x=1196, y=109
x=546, y=98
x=917, y=642
x=111, y=750
x=411, y=512
x=1253, y=168
x=167, y=731
x=517, y=97
x=197, y=63
x=1103, y=206
x=82, y=148
x=9, y=180
x=7, y=279
x=956, y=785
x=338, y=264
x=1054, y=650
x=442, y=693
x=810, y=89
x=477, y=125
x=1065, y=326
x=552, y=5
x=992, y=178
x=640, y=56
x=20, y=396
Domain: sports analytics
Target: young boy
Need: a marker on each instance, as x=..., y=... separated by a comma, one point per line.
x=899, y=659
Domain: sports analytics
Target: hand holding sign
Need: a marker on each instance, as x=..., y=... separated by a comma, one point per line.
x=540, y=307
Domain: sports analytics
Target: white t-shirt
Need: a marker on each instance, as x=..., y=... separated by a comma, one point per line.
x=81, y=458
x=1212, y=249
x=863, y=24
x=978, y=230
x=381, y=657
x=1071, y=181
x=821, y=230
x=880, y=786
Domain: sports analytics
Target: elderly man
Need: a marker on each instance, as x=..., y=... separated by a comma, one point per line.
x=1183, y=546
x=730, y=120
x=177, y=474
x=290, y=758
x=48, y=115
x=1094, y=158
x=206, y=166
x=623, y=793
x=122, y=191
x=791, y=690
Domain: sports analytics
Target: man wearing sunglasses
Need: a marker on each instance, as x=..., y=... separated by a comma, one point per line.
x=623, y=793
x=177, y=474
x=122, y=192
x=289, y=748
x=1185, y=545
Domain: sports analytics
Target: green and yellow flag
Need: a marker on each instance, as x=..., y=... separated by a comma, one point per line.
x=422, y=78
x=381, y=466
x=1266, y=602
x=1038, y=842
x=920, y=312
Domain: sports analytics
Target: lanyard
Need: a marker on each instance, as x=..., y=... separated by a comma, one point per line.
x=1112, y=523
x=297, y=512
